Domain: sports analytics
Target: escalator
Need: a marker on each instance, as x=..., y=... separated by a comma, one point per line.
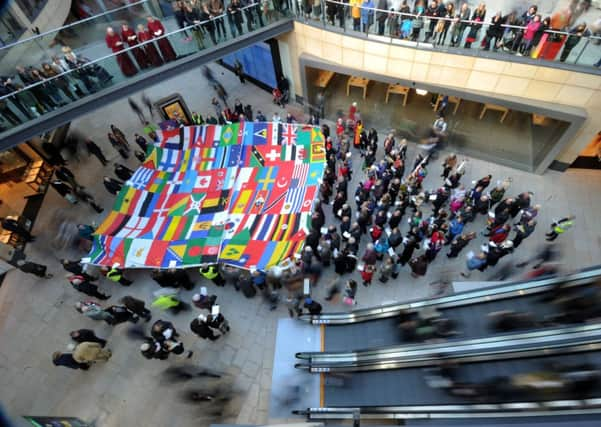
x=379, y=327
x=487, y=387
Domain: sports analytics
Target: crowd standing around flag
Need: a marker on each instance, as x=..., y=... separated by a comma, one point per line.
x=373, y=219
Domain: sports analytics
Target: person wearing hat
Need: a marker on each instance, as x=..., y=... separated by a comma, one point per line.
x=33, y=268
x=203, y=300
x=201, y=328
x=67, y=360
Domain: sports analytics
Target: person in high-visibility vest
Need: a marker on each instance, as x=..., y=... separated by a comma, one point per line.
x=197, y=118
x=560, y=227
x=211, y=272
x=115, y=274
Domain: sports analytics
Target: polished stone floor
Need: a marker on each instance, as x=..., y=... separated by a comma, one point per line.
x=36, y=315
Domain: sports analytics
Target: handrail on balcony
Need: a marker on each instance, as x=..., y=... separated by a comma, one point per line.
x=114, y=55
x=73, y=24
x=437, y=18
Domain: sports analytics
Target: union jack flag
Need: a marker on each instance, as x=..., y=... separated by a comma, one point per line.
x=288, y=134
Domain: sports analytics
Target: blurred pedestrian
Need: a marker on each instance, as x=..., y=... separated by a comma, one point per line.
x=136, y=306
x=560, y=227
x=33, y=268
x=81, y=284
x=94, y=150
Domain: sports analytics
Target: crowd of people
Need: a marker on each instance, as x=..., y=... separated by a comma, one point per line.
x=387, y=223
x=439, y=22
x=147, y=47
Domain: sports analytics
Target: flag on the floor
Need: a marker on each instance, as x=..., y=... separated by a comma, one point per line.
x=239, y=194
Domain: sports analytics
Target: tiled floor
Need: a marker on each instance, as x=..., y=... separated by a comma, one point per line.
x=37, y=315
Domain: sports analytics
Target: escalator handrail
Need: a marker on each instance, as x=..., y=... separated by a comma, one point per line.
x=592, y=344
x=505, y=291
x=498, y=410
x=528, y=337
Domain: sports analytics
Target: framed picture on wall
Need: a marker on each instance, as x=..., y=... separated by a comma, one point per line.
x=174, y=107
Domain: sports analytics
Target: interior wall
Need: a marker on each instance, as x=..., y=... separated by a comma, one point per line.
x=494, y=77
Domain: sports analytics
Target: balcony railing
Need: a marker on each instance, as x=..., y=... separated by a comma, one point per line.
x=78, y=36
x=439, y=33
x=21, y=104
x=94, y=67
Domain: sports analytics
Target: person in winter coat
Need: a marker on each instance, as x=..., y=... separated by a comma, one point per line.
x=313, y=306
x=460, y=242
x=474, y=262
x=367, y=15
x=410, y=245
x=123, y=172
x=121, y=314
x=75, y=267
x=370, y=256
x=136, y=306
x=67, y=360
x=163, y=330
x=94, y=311
x=499, y=233
x=419, y=266
x=113, y=186
x=522, y=231
x=90, y=352
x=82, y=285
x=33, y=268
x=203, y=300
x=64, y=190
x=201, y=327
x=386, y=270
x=455, y=228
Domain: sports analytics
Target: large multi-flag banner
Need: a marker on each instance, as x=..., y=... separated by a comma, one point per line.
x=241, y=194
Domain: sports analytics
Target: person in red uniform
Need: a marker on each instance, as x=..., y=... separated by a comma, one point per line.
x=153, y=55
x=157, y=30
x=113, y=40
x=129, y=36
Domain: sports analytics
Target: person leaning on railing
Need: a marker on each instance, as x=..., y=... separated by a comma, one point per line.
x=459, y=24
x=494, y=33
x=478, y=18
x=574, y=38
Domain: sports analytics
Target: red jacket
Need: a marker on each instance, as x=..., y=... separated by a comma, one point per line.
x=498, y=234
